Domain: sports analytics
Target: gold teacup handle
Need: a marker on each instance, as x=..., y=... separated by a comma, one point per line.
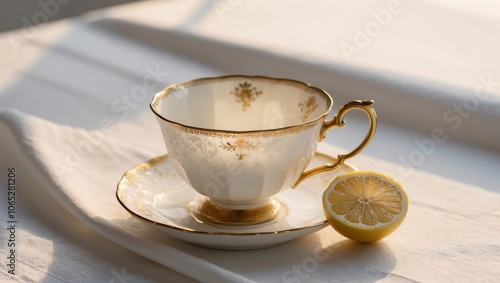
x=338, y=121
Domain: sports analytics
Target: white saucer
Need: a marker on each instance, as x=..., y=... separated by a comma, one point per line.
x=154, y=193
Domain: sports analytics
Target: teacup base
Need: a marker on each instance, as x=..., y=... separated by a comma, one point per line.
x=228, y=216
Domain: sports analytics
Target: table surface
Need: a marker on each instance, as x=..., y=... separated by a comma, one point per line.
x=419, y=70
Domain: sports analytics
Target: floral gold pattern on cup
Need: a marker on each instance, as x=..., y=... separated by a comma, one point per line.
x=239, y=146
x=245, y=94
x=307, y=107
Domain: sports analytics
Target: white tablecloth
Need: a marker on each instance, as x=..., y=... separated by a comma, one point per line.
x=62, y=83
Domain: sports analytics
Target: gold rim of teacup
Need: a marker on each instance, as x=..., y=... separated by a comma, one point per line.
x=248, y=133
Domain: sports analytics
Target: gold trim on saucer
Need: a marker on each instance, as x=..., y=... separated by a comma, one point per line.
x=131, y=175
x=221, y=215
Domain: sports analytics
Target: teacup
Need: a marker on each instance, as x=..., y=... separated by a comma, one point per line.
x=240, y=140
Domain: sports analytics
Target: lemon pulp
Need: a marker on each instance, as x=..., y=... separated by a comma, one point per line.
x=365, y=206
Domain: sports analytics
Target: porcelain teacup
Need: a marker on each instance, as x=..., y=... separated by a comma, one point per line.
x=240, y=140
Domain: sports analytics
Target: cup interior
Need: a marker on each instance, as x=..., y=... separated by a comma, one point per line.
x=241, y=103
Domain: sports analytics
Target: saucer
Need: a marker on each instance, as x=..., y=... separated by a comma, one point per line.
x=155, y=194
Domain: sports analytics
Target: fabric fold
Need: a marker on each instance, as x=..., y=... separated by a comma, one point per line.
x=447, y=220
x=81, y=174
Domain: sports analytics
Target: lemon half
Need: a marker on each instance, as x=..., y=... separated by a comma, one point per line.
x=365, y=206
